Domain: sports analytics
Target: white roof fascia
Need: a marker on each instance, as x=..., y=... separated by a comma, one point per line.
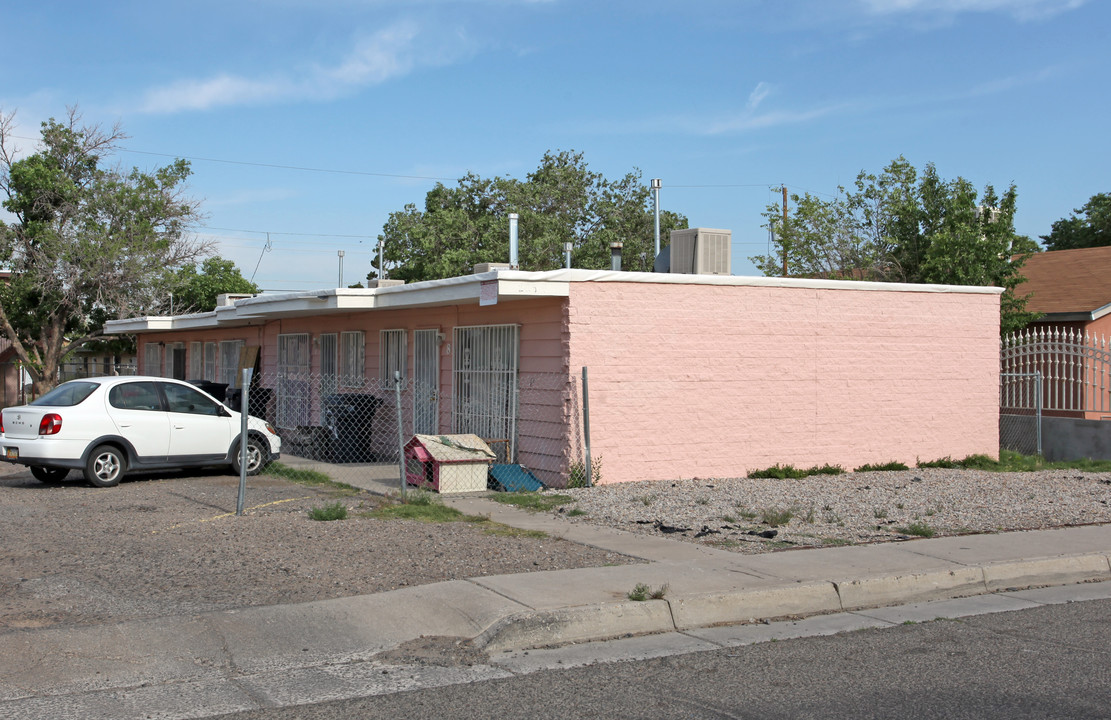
x=139, y=324
x=742, y=281
x=510, y=285
x=1100, y=312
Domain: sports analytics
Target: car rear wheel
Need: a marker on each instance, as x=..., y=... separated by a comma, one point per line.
x=49, y=475
x=257, y=456
x=105, y=466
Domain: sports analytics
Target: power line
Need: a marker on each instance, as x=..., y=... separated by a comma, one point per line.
x=297, y=234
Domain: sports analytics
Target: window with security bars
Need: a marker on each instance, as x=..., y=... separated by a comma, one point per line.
x=484, y=378
x=152, y=359
x=391, y=355
x=210, y=361
x=229, y=362
x=196, y=360
x=329, y=364
x=352, y=358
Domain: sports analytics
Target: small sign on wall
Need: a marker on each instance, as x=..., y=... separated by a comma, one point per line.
x=488, y=293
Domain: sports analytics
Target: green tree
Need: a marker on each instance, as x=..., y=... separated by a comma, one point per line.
x=87, y=243
x=561, y=201
x=901, y=227
x=1089, y=226
x=195, y=290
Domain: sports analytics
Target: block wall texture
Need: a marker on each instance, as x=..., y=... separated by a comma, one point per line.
x=715, y=381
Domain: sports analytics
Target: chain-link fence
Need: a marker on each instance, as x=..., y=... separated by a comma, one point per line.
x=76, y=370
x=513, y=432
x=1020, y=412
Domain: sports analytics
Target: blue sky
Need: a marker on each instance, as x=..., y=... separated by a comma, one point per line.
x=724, y=100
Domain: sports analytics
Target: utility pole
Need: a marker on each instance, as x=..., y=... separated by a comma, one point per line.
x=783, y=233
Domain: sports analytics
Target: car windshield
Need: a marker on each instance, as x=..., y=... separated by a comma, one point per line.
x=67, y=394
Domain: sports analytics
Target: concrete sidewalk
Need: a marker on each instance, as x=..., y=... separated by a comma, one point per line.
x=272, y=656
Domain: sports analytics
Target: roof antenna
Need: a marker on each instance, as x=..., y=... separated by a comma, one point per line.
x=265, y=250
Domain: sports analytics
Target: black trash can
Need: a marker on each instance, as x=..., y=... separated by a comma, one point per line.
x=349, y=420
x=215, y=389
x=260, y=399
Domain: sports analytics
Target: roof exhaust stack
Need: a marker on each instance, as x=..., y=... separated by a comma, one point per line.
x=513, y=263
x=615, y=256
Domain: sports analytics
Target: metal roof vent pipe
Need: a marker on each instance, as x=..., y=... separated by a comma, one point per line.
x=615, y=256
x=513, y=244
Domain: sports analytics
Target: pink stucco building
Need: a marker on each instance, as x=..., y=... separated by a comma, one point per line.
x=689, y=375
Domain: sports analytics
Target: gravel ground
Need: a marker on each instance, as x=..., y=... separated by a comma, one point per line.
x=170, y=544
x=846, y=509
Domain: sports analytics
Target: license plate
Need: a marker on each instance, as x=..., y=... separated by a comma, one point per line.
x=11, y=453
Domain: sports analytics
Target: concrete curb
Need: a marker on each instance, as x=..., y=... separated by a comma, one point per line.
x=742, y=606
x=562, y=626
x=585, y=623
x=914, y=587
x=1047, y=571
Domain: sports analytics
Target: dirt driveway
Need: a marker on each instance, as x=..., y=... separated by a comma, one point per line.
x=171, y=544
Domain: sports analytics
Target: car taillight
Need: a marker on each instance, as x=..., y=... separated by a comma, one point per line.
x=50, y=424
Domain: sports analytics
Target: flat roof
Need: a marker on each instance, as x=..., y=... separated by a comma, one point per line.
x=488, y=288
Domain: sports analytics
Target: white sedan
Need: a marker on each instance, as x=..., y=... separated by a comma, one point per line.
x=108, y=426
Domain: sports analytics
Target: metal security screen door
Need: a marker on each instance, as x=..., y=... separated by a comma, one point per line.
x=426, y=382
x=484, y=378
x=329, y=366
x=294, y=390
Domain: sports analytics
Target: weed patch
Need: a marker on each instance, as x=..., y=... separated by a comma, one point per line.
x=534, y=501
x=421, y=506
x=893, y=465
x=335, y=511
x=918, y=529
x=642, y=592
x=775, y=517
x=303, y=476
x=785, y=472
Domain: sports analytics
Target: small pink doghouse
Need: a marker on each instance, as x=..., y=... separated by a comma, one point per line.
x=448, y=463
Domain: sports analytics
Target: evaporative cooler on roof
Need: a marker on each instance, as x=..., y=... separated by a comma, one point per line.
x=701, y=251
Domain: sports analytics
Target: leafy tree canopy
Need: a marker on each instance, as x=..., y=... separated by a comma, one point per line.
x=561, y=201
x=195, y=288
x=87, y=243
x=899, y=226
x=1089, y=226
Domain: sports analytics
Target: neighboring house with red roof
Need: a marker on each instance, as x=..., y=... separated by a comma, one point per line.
x=1071, y=288
x=1070, y=344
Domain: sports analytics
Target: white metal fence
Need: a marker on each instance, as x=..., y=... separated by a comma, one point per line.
x=1054, y=371
x=1075, y=368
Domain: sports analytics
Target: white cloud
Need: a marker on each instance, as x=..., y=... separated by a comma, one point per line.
x=748, y=120
x=761, y=91
x=389, y=53
x=1020, y=9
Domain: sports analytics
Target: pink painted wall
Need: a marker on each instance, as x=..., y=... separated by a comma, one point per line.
x=714, y=381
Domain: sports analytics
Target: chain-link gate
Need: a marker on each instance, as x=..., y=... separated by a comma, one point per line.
x=1020, y=412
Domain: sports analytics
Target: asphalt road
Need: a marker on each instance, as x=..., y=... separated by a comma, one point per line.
x=1048, y=662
